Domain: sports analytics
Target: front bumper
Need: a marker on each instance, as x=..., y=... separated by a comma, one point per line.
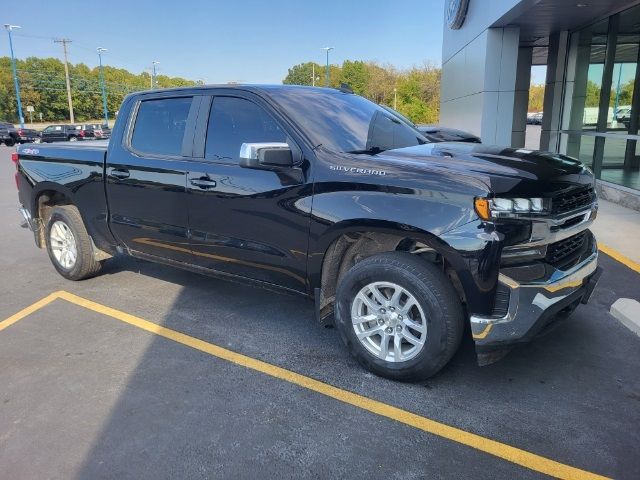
x=537, y=292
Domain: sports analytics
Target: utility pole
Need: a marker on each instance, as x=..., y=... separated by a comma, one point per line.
x=64, y=42
x=153, y=73
x=326, y=73
x=15, y=73
x=100, y=51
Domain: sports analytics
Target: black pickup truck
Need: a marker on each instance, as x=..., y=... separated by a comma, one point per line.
x=400, y=242
x=10, y=135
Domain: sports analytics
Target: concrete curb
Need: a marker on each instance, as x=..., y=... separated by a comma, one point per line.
x=627, y=311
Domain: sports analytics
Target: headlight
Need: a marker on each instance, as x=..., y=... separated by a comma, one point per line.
x=508, y=207
x=521, y=205
x=537, y=205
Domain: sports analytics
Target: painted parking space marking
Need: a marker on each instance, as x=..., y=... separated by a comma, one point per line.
x=619, y=257
x=501, y=450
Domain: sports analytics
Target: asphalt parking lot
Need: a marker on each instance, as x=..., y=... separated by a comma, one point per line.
x=134, y=374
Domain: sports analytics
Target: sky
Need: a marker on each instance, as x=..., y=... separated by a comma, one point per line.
x=246, y=41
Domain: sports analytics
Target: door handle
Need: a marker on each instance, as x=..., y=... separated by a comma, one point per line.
x=119, y=173
x=203, y=182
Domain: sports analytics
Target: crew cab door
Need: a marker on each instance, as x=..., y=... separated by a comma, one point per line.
x=247, y=222
x=146, y=177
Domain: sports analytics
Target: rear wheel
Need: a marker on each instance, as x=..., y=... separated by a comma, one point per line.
x=73, y=138
x=399, y=316
x=9, y=142
x=69, y=245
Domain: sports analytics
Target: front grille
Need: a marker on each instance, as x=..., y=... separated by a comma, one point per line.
x=573, y=200
x=565, y=252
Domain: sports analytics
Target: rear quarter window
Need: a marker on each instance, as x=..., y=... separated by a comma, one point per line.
x=160, y=126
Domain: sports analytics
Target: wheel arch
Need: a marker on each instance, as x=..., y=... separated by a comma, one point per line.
x=47, y=196
x=348, y=242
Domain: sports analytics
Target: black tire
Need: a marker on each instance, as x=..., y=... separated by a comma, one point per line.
x=9, y=142
x=435, y=294
x=85, y=265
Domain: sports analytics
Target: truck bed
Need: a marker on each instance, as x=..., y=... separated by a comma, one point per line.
x=90, y=152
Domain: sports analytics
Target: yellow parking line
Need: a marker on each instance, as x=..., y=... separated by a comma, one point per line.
x=29, y=310
x=483, y=444
x=635, y=266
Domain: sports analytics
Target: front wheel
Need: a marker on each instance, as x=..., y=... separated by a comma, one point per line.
x=69, y=245
x=399, y=316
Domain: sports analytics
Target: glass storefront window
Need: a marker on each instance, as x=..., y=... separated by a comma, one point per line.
x=601, y=128
x=613, y=169
x=591, y=46
x=580, y=146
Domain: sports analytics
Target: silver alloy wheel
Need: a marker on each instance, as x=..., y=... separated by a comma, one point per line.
x=63, y=244
x=383, y=313
x=73, y=139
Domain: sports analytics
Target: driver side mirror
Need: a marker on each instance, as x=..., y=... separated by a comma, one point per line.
x=266, y=156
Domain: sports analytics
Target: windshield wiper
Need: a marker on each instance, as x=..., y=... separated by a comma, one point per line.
x=368, y=151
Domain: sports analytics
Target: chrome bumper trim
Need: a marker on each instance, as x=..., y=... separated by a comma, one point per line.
x=528, y=301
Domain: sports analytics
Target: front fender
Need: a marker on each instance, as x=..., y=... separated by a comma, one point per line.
x=445, y=221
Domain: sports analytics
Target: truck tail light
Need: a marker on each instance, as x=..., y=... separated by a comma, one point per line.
x=14, y=159
x=81, y=133
x=19, y=132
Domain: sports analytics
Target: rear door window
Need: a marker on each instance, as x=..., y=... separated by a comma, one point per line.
x=160, y=126
x=234, y=121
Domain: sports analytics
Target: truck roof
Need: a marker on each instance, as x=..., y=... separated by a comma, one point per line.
x=241, y=86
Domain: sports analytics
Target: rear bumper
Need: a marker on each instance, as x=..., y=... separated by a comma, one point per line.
x=537, y=293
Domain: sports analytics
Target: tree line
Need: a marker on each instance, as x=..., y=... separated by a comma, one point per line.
x=623, y=93
x=415, y=91
x=43, y=86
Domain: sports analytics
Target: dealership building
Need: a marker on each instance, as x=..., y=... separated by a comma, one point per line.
x=591, y=102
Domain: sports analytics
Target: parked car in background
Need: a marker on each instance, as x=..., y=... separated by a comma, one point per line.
x=62, y=133
x=10, y=135
x=623, y=115
x=437, y=134
x=95, y=130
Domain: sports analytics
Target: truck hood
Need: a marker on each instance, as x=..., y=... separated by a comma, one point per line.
x=506, y=171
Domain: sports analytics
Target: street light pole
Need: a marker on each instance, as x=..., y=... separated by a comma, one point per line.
x=153, y=74
x=326, y=73
x=100, y=51
x=15, y=73
x=65, y=42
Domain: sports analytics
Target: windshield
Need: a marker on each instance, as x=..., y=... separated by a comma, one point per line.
x=345, y=122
